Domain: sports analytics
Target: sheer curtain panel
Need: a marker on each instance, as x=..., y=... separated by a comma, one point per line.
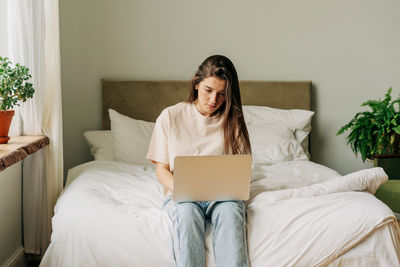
x=33, y=40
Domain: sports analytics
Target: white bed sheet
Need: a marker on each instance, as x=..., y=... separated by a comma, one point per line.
x=110, y=214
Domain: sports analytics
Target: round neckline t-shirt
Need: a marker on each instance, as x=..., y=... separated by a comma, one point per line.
x=181, y=130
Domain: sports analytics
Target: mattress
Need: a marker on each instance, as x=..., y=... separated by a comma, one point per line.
x=299, y=214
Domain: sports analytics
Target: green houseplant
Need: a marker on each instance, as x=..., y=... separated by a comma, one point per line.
x=375, y=132
x=14, y=88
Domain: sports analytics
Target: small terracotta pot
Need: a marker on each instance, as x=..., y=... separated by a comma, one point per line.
x=5, y=122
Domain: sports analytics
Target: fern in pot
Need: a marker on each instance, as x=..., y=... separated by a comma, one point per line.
x=375, y=133
x=15, y=87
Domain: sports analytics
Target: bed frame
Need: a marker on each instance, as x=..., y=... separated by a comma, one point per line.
x=144, y=100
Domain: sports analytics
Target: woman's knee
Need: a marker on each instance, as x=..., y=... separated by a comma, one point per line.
x=230, y=211
x=190, y=213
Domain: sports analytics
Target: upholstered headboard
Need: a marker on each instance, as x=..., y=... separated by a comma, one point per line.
x=145, y=100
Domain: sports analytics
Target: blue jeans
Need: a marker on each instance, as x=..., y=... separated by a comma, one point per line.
x=189, y=225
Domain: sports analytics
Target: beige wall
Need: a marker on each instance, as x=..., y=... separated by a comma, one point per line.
x=10, y=212
x=349, y=49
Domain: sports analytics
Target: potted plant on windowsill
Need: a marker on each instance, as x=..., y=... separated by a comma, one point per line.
x=14, y=88
x=375, y=134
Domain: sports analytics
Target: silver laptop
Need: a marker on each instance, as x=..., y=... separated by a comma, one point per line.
x=208, y=178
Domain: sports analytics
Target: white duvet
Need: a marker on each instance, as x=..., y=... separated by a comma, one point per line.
x=299, y=214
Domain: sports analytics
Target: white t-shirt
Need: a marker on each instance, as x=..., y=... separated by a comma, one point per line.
x=181, y=130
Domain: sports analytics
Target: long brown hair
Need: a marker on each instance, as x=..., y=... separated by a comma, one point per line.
x=236, y=136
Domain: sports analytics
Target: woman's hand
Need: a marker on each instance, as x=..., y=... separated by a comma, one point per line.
x=164, y=176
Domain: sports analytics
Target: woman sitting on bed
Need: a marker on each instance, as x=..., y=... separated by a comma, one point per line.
x=209, y=122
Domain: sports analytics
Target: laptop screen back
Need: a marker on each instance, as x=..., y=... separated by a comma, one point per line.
x=208, y=178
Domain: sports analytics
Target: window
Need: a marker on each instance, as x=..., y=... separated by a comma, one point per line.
x=3, y=29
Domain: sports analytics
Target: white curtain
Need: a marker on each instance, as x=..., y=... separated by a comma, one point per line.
x=33, y=40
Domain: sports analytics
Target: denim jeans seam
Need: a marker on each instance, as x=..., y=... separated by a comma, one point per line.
x=246, y=254
x=179, y=236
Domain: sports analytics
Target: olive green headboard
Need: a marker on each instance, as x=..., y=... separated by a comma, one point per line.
x=145, y=100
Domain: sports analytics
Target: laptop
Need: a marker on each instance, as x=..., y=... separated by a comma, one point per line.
x=212, y=178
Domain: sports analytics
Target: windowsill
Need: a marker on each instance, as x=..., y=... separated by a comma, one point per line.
x=19, y=147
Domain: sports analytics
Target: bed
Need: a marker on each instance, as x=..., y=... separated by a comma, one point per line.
x=299, y=213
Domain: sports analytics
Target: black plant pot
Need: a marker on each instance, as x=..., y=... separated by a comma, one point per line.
x=390, y=163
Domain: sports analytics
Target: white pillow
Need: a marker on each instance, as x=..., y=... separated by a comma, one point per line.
x=297, y=120
x=131, y=138
x=273, y=142
x=275, y=135
x=101, y=144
